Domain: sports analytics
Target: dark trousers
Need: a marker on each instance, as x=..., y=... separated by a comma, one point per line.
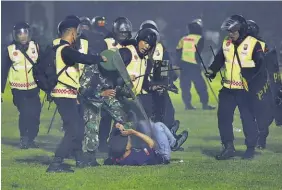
x=163, y=109
x=29, y=107
x=192, y=73
x=229, y=99
x=73, y=123
x=104, y=127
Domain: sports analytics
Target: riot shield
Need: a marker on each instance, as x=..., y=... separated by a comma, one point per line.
x=274, y=77
x=135, y=105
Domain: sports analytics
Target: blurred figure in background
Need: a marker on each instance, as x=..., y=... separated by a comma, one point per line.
x=99, y=26
x=191, y=68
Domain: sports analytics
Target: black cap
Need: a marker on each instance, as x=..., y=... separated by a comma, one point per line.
x=68, y=23
x=117, y=144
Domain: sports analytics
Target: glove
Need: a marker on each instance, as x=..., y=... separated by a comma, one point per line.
x=210, y=74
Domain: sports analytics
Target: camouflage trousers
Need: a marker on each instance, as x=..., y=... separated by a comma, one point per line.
x=92, y=117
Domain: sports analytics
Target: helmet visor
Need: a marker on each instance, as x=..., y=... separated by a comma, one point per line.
x=22, y=35
x=230, y=25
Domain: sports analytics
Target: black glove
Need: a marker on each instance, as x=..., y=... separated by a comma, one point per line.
x=210, y=74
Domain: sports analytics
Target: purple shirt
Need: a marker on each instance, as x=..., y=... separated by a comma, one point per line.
x=139, y=157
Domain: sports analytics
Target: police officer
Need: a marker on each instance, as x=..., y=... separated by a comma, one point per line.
x=81, y=44
x=121, y=32
x=163, y=109
x=262, y=96
x=99, y=26
x=191, y=69
x=253, y=30
x=242, y=56
x=65, y=95
x=17, y=62
x=135, y=57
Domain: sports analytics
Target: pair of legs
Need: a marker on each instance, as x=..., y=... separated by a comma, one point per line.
x=229, y=99
x=29, y=107
x=73, y=124
x=192, y=73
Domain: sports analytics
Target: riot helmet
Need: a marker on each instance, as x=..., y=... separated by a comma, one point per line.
x=122, y=29
x=22, y=33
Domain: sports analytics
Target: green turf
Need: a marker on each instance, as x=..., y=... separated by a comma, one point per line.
x=25, y=169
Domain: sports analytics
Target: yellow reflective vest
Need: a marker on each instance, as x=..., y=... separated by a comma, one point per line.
x=233, y=77
x=187, y=44
x=159, y=52
x=111, y=43
x=69, y=77
x=83, y=49
x=136, y=67
x=20, y=73
x=262, y=45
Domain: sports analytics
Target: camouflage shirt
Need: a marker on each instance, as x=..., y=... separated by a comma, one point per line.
x=92, y=83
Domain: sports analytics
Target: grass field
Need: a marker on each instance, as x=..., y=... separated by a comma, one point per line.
x=25, y=169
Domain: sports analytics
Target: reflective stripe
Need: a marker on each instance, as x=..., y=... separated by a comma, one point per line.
x=22, y=85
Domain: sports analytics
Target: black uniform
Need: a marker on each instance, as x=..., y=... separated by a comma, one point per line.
x=26, y=101
x=162, y=110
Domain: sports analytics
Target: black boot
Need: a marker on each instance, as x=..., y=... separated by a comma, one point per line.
x=227, y=152
x=24, y=143
x=261, y=144
x=32, y=144
x=91, y=159
x=57, y=166
x=208, y=107
x=249, y=154
x=80, y=159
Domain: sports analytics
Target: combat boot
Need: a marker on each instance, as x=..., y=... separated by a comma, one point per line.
x=57, y=166
x=91, y=159
x=227, y=152
x=249, y=154
x=32, y=144
x=261, y=144
x=24, y=143
x=80, y=159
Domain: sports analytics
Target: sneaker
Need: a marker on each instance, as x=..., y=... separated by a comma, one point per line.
x=190, y=107
x=208, y=107
x=179, y=142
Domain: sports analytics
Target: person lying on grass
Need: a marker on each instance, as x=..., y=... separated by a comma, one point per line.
x=156, y=151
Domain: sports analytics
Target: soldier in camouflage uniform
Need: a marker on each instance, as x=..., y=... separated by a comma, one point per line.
x=97, y=94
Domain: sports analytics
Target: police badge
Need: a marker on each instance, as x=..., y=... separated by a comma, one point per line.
x=245, y=46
